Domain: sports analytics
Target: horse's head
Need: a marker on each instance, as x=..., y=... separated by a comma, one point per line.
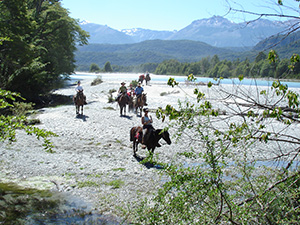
x=166, y=136
x=144, y=97
x=80, y=94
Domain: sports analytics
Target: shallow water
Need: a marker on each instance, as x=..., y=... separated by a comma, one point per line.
x=31, y=206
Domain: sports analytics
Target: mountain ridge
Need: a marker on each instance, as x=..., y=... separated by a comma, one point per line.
x=216, y=31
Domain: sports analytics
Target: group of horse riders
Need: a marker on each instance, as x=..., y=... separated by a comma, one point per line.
x=129, y=93
x=146, y=119
x=146, y=78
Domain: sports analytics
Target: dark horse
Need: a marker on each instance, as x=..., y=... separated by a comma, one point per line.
x=151, y=143
x=123, y=101
x=140, y=102
x=79, y=101
x=147, y=78
x=141, y=78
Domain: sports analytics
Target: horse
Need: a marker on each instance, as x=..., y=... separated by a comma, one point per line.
x=154, y=135
x=140, y=102
x=79, y=102
x=147, y=78
x=123, y=100
x=141, y=78
x=131, y=100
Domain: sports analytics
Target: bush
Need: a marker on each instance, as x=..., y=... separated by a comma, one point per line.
x=134, y=83
x=21, y=108
x=111, y=99
x=97, y=81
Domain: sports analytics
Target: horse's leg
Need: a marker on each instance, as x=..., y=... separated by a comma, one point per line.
x=133, y=147
x=121, y=110
x=77, y=110
x=136, y=146
x=82, y=110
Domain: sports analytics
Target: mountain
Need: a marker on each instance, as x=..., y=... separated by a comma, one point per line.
x=139, y=34
x=216, y=31
x=220, y=32
x=104, y=34
x=284, y=45
x=154, y=51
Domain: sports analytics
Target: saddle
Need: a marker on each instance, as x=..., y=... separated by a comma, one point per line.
x=138, y=133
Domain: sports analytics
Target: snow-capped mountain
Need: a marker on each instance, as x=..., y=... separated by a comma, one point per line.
x=216, y=31
x=139, y=34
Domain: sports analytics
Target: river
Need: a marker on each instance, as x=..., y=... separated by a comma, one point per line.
x=181, y=79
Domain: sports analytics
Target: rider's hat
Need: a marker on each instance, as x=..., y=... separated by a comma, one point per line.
x=139, y=83
x=146, y=110
x=78, y=82
x=123, y=83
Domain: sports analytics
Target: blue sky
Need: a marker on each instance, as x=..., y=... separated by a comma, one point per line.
x=162, y=14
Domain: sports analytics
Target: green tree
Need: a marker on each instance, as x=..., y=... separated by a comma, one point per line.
x=107, y=67
x=243, y=154
x=214, y=61
x=261, y=56
x=224, y=71
x=9, y=124
x=94, y=68
x=169, y=67
x=266, y=69
x=205, y=65
x=41, y=45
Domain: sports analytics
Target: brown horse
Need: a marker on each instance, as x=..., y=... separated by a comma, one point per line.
x=123, y=101
x=148, y=78
x=79, y=102
x=154, y=135
x=140, y=102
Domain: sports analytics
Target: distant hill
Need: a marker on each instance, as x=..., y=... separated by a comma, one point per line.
x=284, y=45
x=216, y=31
x=154, y=51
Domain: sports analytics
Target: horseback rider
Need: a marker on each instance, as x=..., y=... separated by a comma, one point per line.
x=78, y=89
x=147, y=78
x=131, y=91
x=147, y=126
x=139, y=91
x=141, y=78
x=122, y=90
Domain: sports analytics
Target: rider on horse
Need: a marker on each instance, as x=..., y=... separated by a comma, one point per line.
x=131, y=91
x=122, y=90
x=79, y=89
x=147, y=127
x=139, y=91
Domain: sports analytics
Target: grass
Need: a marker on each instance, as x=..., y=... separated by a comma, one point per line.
x=115, y=183
x=118, y=169
x=109, y=108
x=95, y=175
x=88, y=183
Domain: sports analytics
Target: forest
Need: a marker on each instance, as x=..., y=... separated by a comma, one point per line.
x=214, y=67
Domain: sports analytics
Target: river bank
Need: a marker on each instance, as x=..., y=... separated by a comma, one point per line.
x=93, y=157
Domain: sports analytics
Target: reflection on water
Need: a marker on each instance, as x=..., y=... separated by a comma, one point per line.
x=30, y=206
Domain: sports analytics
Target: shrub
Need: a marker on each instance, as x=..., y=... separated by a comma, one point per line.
x=97, y=81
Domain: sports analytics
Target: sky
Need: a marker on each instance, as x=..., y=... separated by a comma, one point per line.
x=164, y=14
